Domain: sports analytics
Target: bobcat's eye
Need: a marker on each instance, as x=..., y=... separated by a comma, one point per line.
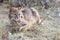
x=21, y=16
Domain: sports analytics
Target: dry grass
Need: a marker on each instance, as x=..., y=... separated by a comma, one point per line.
x=49, y=29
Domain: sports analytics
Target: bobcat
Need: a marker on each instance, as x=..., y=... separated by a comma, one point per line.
x=23, y=18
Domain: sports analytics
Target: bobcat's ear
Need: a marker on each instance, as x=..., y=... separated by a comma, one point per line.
x=36, y=15
x=13, y=8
